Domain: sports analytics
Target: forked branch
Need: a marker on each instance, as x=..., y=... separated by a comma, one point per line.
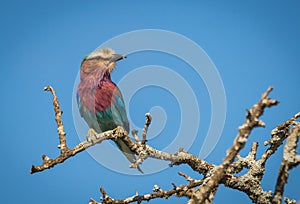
x=200, y=191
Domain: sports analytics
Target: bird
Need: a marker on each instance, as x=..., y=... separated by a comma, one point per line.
x=99, y=99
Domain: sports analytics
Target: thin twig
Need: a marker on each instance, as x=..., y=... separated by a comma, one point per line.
x=188, y=178
x=146, y=126
x=60, y=127
x=279, y=134
x=135, y=135
x=290, y=159
x=179, y=191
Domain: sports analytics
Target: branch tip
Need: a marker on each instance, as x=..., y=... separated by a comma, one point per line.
x=48, y=88
x=264, y=95
x=146, y=126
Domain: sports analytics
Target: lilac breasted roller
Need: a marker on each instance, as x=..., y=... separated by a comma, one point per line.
x=100, y=101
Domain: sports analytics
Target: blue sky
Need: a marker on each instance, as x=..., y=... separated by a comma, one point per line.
x=253, y=45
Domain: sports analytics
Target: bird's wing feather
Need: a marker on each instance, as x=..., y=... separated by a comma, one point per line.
x=109, y=106
x=118, y=109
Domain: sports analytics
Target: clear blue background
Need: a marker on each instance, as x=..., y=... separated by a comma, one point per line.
x=253, y=44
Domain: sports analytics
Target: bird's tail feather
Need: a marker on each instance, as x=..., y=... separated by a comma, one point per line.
x=127, y=152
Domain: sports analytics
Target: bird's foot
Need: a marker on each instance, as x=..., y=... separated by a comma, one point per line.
x=118, y=130
x=90, y=135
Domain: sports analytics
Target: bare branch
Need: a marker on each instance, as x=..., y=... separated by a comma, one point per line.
x=145, y=130
x=179, y=191
x=143, y=151
x=290, y=160
x=200, y=191
x=252, y=121
x=60, y=128
x=143, y=154
x=48, y=163
x=278, y=135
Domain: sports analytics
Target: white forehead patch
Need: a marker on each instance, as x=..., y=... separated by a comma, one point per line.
x=104, y=53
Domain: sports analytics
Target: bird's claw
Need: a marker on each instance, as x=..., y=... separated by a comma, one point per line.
x=118, y=131
x=90, y=135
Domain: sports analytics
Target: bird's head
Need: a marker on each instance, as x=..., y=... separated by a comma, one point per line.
x=104, y=58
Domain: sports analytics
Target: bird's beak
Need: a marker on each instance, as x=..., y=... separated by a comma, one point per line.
x=117, y=57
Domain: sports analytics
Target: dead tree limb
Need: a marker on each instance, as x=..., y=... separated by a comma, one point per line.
x=201, y=191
